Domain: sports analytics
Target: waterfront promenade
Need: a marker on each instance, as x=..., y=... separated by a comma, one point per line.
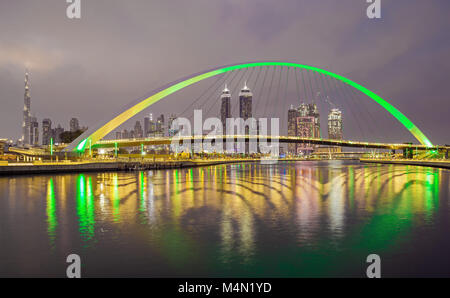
x=121, y=165
x=110, y=165
x=425, y=163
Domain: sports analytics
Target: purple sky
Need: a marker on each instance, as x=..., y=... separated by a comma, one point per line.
x=121, y=50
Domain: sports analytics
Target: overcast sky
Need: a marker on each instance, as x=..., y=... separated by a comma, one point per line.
x=120, y=50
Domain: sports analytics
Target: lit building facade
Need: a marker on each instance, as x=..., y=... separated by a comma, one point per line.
x=26, y=123
x=335, y=128
x=160, y=126
x=303, y=121
x=138, y=132
x=46, y=131
x=245, y=103
x=293, y=114
x=34, y=131
x=225, y=108
x=305, y=129
x=245, y=108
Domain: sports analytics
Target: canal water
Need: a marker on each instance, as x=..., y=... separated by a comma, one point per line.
x=290, y=219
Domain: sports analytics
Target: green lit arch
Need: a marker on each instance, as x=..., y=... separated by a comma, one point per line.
x=97, y=133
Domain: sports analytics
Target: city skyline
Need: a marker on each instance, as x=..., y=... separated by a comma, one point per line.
x=250, y=144
x=69, y=79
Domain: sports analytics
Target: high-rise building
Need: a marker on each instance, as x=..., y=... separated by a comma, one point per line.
x=245, y=103
x=138, y=132
x=225, y=108
x=160, y=126
x=335, y=129
x=293, y=114
x=118, y=135
x=308, y=126
x=146, y=126
x=305, y=129
x=26, y=112
x=303, y=121
x=310, y=110
x=74, y=125
x=56, y=134
x=149, y=126
x=34, y=131
x=46, y=131
x=245, y=109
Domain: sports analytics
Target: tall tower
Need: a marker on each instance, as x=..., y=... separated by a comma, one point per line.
x=293, y=114
x=245, y=109
x=225, y=108
x=335, y=124
x=245, y=103
x=34, y=131
x=26, y=112
x=46, y=131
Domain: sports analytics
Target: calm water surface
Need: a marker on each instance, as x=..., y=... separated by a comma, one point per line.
x=292, y=219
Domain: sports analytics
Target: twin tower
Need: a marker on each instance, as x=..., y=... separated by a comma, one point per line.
x=245, y=104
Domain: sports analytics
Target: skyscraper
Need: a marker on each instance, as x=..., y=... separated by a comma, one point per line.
x=293, y=114
x=305, y=129
x=160, y=126
x=34, y=131
x=308, y=126
x=245, y=103
x=149, y=126
x=225, y=108
x=26, y=112
x=46, y=131
x=74, y=125
x=245, y=109
x=138, y=132
x=56, y=134
x=310, y=110
x=146, y=126
x=335, y=129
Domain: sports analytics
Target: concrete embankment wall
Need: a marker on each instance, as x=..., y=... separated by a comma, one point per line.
x=48, y=168
x=423, y=163
x=74, y=167
x=59, y=168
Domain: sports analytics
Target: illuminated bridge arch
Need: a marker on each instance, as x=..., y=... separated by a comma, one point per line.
x=96, y=133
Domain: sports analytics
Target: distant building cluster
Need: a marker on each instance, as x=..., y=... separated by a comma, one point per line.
x=304, y=121
x=30, y=125
x=151, y=128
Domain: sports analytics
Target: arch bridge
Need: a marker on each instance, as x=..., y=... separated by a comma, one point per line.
x=94, y=135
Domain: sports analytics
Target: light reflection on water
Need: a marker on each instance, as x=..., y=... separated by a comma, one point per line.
x=289, y=219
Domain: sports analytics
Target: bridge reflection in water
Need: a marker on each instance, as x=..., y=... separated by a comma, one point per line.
x=290, y=219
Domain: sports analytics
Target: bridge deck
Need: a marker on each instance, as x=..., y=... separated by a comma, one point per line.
x=282, y=139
